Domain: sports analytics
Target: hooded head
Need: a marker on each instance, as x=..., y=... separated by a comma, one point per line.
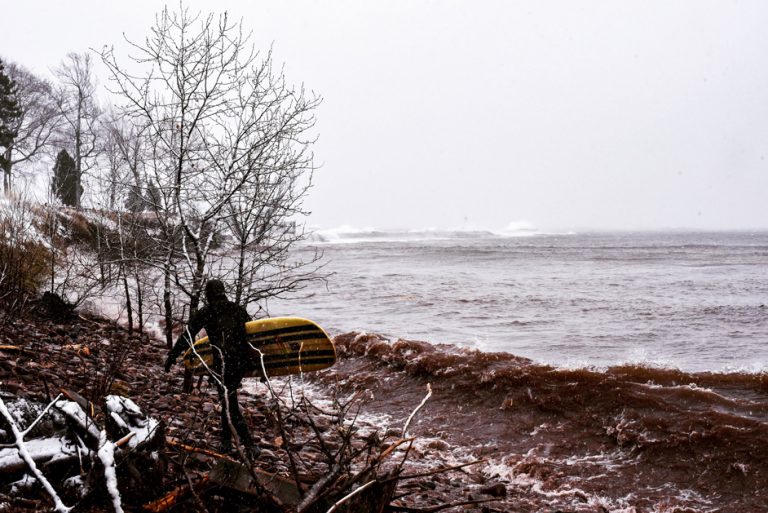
x=214, y=290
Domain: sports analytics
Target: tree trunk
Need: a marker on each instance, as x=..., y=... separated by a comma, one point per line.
x=53, y=247
x=167, y=303
x=139, y=299
x=78, y=156
x=7, y=171
x=240, y=266
x=128, y=302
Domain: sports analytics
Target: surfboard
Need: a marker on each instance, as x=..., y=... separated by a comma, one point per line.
x=288, y=345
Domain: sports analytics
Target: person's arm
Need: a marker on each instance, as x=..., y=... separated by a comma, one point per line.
x=185, y=340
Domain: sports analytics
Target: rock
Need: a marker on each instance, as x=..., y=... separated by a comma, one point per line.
x=266, y=453
x=438, y=445
x=392, y=432
x=494, y=490
x=162, y=403
x=12, y=388
x=120, y=387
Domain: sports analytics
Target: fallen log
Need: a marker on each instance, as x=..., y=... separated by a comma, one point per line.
x=43, y=451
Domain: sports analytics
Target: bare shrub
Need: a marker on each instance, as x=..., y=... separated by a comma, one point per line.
x=23, y=257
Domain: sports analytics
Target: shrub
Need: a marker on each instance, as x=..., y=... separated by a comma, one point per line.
x=24, y=259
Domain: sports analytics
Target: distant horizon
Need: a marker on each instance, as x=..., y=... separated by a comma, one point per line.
x=351, y=229
x=38, y=188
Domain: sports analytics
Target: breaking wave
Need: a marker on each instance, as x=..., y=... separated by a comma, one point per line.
x=349, y=234
x=628, y=436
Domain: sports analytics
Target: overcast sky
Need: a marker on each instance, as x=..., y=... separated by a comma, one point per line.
x=445, y=114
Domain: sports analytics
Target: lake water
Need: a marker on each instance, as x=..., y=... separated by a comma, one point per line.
x=628, y=420
x=693, y=301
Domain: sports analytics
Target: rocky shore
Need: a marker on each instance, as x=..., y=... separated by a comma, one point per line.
x=497, y=433
x=40, y=356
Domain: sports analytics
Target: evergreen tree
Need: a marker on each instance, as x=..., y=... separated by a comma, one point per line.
x=135, y=201
x=9, y=113
x=80, y=112
x=65, y=183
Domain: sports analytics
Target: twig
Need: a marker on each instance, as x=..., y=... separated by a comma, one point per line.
x=280, y=422
x=405, y=456
x=318, y=435
x=198, y=500
x=34, y=423
x=423, y=402
x=349, y=496
x=170, y=499
x=394, y=446
x=317, y=489
x=124, y=440
x=199, y=450
x=369, y=467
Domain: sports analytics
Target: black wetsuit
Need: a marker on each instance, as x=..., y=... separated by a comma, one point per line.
x=224, y=322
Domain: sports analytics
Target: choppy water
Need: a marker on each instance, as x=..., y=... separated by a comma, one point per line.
x=694, y=301
x=657, y=400
x=627, y=439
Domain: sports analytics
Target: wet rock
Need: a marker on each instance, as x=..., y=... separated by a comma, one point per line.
x=120, y=387
x=12, y=388
x=267, y=454
x=494, y=490
x=438, y=445
x=162, y=403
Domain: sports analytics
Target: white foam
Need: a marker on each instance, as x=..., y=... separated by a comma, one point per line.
x=507, y=470
x=291, y=389
x=347, y=234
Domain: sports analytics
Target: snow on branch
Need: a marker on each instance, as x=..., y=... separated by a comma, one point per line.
x=59, y=506
x=106, y=455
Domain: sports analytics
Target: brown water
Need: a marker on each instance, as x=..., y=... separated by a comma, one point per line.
x=624, y=439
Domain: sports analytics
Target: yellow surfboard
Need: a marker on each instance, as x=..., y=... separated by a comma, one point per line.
x=287, y=345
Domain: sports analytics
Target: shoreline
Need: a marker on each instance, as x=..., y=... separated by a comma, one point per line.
x=627, y=439
x=630, y=437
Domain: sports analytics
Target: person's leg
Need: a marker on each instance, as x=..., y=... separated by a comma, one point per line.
x=225, y=433
x=238, y=421
x=233, y=379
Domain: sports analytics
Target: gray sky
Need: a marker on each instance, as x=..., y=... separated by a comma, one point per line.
x=565, y=115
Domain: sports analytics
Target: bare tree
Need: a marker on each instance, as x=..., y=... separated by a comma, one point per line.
x=80, y=111
x=226, y=135
x=263, y=232
x=39, y=120
x=122, y=148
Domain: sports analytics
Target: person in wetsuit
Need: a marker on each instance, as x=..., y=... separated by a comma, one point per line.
x=224, y=322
